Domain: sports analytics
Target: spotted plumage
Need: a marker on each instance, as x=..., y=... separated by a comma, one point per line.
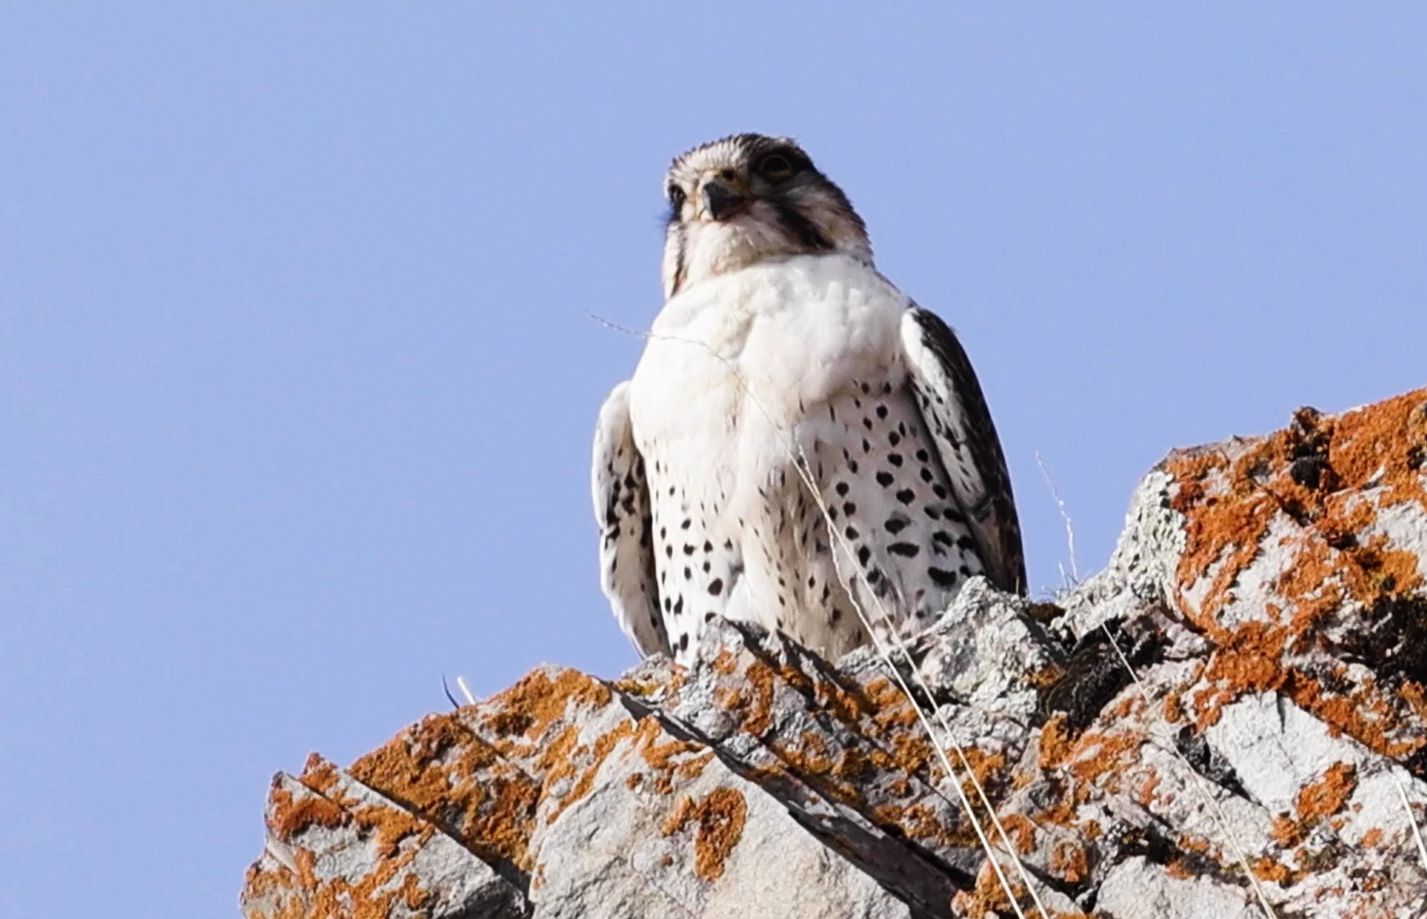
x=800, y=446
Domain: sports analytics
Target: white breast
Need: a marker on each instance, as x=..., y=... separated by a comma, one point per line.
x=788, y=331
x=737, y=376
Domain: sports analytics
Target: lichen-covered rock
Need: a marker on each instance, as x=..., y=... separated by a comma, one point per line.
x=1230, y=714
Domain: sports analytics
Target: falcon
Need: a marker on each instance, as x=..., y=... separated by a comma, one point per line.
x=801, y=446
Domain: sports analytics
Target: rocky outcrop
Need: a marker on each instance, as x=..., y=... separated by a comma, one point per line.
x=1230, y=720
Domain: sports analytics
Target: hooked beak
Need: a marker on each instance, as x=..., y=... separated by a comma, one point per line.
x=722, y=200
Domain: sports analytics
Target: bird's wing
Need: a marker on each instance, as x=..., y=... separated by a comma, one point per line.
x=626, y=531
x=956, y=416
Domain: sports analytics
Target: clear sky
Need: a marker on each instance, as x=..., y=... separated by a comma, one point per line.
x=297, y=379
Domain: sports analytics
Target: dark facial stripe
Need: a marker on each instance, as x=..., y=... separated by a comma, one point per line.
x=675, y=195
x=801, y=227
x=677, y=230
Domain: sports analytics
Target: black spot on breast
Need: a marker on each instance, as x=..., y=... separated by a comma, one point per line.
x=884, y=478
x=849, y=508
x=863, y=554
x=850, y=532
x=881, y=411
x=841, y=488
x=716, y=586
x=904, y=549
x=906, y=496
x=941, y=577
x=894, y=438
x=894, y=458
x=896, y=525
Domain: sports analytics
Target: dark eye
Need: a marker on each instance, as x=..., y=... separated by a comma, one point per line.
x=676, y=196
x=776, y=166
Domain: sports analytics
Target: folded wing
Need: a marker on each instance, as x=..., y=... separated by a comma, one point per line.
x=621, y=501
x=955, y=413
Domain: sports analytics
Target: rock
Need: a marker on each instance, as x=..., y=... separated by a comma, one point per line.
x=1230, y=714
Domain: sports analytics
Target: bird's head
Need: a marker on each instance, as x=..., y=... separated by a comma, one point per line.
x=746, y=198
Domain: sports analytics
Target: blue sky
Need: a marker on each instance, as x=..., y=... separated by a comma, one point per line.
x=298, y=378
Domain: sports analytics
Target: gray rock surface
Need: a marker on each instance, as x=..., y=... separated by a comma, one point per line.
x=1229, y=715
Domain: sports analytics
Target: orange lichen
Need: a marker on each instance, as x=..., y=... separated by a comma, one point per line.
x=1224, y=524
x=441, y=768
x=398, y=836
x=1416, y=697
x=1070, y=862
x=1270, y=869
x=987, y=899
x=986, y=766
x=1022, y=832
x=719, y=820
x=751, y=698
x=288, y=818
x=1327, y=796
x=1360, y=715
x=1145, y=794
x=1098, y=754
x=541, y=698
x=595, y=758
x=1196, y=845
x=1321, y=483
x=1286, y=831
x=1056, y=742
x=668, y=758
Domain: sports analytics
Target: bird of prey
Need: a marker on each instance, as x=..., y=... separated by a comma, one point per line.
x=801, y=446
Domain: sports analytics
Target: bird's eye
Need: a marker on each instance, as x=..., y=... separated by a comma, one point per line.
x=776, y=167
x=676, y=196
